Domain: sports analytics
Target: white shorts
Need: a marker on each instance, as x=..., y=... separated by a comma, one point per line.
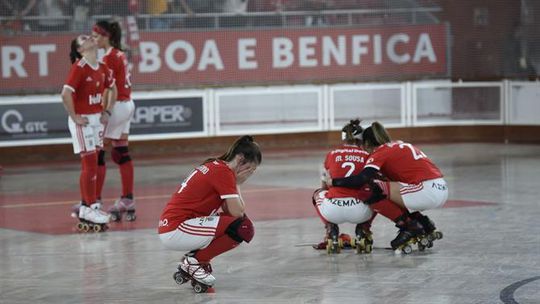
x=341, y=210
x=193, y=234
x=120, y=119
x=428, y=194
x=86, y=138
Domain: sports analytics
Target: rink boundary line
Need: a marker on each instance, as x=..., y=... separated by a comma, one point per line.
x=149, y=197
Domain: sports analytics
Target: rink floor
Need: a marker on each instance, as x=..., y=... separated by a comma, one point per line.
x=490, y=252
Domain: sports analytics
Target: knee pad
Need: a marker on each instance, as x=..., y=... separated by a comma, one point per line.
x=241, y=230
x=120, y=155
x=101, y=158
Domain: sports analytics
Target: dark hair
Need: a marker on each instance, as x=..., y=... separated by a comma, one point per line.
x=376, y=135
x=114, y=30
x=353, y=131
x=74, y=53
x=244, y=146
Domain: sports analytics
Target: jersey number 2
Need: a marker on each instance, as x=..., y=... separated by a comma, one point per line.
x=417, y=154
x=351, y=168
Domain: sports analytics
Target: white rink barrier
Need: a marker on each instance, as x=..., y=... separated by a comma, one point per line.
x=42, y=120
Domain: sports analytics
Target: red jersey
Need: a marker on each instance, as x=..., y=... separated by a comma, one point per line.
x=87, y=84
x=116, y=61
x=201, y=194
x=402, y=162
x=345, y=161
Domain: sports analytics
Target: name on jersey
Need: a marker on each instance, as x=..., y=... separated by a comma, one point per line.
x=350, y=158
x=345, y=202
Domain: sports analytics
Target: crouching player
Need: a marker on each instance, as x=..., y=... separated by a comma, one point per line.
x=191, y=222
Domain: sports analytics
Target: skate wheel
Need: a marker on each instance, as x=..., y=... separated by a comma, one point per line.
x=423, y=242
x=353, y=243
x=130, y=217
x=421, y=247
x=340, y=243
x=83, y=227
x=369, y=248
x=97, y=228
x=407, y=249
x=179, y=278
x=438, y=235
x=199, y=288
x=115, y=216
x=332, y=248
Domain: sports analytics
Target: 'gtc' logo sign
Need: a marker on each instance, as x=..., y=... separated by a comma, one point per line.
x=12, y=122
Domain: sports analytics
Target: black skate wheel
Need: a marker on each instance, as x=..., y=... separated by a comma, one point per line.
x=115, y=216
x=438, y=235
x=199, y=288
x=130, y=217
x=179, y=278
x=407, y=249
x=369, y=248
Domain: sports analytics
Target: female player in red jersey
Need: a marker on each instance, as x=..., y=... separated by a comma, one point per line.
x=192, y=222
x=337, y=205
x=82, y=96
x=415, y=182
x=108, y=36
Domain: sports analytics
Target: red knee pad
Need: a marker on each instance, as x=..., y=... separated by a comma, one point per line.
x=241, y=230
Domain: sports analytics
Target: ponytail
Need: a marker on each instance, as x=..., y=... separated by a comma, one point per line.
x=352, y=132
x=112, y=30
x=245, y=146
x=74, y=54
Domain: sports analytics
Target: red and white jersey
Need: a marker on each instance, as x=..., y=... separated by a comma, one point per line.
x=345, y=161
x=201, y=194
x=88, y=83
x=402, y=162
x=117, y=61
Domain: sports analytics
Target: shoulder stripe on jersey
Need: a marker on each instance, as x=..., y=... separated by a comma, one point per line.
x=229, y=196
x=372, y=166
x=112, y=83
x=69, y=88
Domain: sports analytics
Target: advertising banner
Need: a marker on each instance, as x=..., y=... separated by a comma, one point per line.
x=237, y=57
x=44, y=121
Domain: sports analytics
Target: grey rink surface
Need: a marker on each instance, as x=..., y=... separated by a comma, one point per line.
x=489, y=253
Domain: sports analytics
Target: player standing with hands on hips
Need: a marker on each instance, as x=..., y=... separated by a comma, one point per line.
x=108, y=36
x=192, y=222
x=82, y=95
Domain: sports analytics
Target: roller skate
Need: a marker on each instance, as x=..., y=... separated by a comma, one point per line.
x=410, y=232
x=98, y=205
x=432, y=233
x=363, y=242
x=333, y=243
x=121, y=206
x=92, y=220
x=200, y=275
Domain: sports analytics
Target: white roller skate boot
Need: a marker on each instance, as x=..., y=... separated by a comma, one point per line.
x=121, y=206
x=98, y=205
x=92, y=219
x=201, y=274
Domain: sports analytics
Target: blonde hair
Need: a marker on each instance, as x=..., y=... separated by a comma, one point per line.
x=376, y=135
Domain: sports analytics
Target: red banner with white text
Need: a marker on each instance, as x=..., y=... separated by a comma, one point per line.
x=240, y=57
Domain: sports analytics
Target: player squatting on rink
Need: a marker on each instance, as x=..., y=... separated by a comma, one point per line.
x=415, y=183
x=108, y=36
x=191, y=220
x=82, y=95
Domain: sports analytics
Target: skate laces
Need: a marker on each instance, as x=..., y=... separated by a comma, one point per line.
x=196, y=269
